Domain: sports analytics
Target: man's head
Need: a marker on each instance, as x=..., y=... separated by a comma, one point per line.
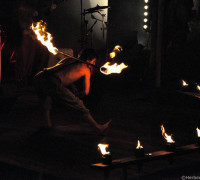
x=89, y=55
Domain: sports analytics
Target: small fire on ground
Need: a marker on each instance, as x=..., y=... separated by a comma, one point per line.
x=139, y=146
x=166, y=136
x=104, y=149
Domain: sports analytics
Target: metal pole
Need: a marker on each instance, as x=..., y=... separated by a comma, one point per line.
x=67, y=55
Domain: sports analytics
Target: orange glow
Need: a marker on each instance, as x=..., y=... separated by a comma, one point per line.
x=167, y=137
x=103, y=149
x=43, y=36
x=184, y=83
x=116, y=50
x=109, y=69
x=112, y=54
x=198, y=132
x=138, y=145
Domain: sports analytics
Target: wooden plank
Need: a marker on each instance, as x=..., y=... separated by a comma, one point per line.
x=187, y=149
x=194, y=94
x=117, y=163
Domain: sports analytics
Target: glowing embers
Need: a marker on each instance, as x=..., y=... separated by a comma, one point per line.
x=105, y=154
x=43, y=36
x=170, y=144
x=139, y=150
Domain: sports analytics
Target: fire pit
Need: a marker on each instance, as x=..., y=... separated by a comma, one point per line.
x=106, y=157
x=170, y=144
x=198, y=136
x=139, y=151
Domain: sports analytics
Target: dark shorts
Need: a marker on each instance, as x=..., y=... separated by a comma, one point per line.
x=49, y=86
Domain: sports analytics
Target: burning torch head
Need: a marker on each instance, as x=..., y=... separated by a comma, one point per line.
x=117, y=49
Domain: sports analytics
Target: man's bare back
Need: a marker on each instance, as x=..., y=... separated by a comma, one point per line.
x=72, y=73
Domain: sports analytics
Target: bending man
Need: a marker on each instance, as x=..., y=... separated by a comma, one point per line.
x=52, y=83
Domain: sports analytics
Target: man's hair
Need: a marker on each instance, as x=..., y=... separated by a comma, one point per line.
x=88, y=54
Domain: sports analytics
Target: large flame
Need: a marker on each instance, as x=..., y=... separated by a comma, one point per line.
x=184, y=83
x=198, y=132
x=138, y=145
x=167, y=137
x=107, y=68
x=103, y=149
x=43, y=36
x=116, y=50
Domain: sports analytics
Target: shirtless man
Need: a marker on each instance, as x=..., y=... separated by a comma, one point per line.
x=52, y=84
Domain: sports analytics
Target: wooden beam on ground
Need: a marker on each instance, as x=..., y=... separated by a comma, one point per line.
x=158, y=155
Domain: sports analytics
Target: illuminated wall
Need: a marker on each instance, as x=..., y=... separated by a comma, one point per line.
x=126, y=22
x=65, y=24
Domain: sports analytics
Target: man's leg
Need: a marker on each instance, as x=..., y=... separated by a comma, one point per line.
x=100, y=127
x=67, y=98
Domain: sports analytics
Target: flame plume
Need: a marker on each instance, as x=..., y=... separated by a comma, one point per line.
x=43, y=36
x=166, y=136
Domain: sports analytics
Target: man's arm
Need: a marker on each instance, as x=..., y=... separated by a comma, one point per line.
x=87, y=81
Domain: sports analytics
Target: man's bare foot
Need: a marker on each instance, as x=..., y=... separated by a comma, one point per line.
x=102, y=127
